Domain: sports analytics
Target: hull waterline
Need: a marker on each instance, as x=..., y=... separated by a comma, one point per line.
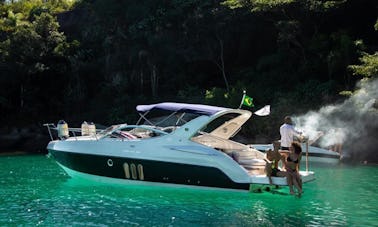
x=139, y=170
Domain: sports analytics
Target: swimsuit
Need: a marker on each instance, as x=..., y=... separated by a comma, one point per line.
x=274, y=172
x=289, y=160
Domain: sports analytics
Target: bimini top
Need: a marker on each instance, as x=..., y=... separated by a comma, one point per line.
x=182, y=107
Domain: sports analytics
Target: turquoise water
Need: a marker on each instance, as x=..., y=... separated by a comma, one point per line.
x=35, y=191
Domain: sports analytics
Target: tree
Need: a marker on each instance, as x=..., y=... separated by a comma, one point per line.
x=369, y=66
x=36, y=52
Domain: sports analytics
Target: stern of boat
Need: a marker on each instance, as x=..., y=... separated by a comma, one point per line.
x=262, y=179
x=307, y=176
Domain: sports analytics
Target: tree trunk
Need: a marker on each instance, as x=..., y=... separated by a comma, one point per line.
x=22, y=96
x=154, y=81
x=141, y=81
x=221, y=64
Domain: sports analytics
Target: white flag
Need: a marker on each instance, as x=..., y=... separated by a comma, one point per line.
x=265, y=111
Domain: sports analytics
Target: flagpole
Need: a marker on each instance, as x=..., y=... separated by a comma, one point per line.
x=242, y=100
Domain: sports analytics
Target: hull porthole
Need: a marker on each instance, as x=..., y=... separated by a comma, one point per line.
x=140, y=171
x=127, y=170
x=110, y=162
x=133, y=171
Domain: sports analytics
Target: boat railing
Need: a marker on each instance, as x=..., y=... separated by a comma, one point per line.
x=124, y=131
x=75, y=132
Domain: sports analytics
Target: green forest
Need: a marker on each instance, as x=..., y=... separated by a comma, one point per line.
x=96, y=60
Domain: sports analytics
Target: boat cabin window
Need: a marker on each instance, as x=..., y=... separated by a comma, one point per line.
x=216, y=123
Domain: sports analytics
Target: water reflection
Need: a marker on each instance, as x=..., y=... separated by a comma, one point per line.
x=35, y=191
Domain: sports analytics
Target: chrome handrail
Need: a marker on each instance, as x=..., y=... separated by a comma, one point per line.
x=48, y=128
x=52, y=126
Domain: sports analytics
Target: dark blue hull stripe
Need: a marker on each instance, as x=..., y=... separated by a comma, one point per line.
x=146, y=170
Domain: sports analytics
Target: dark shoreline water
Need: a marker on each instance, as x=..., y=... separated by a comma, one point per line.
x=36, y=191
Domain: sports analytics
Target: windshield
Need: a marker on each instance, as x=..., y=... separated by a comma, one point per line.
x=109, y=129
x=161, y=118
x=216, y=123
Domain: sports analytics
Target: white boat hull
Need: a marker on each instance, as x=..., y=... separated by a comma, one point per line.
x=195, y=151
x=306, y=176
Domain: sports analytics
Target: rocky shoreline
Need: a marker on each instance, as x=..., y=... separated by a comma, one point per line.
x=21, y=140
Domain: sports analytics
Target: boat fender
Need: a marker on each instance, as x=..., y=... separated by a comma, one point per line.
x=62, y=128
x=91, y=129
x=84, y=129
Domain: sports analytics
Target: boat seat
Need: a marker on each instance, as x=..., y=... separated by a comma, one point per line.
x=255, y=162
x=253, y=166
x=127, y=135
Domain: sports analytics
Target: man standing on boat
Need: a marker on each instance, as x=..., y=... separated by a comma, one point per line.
x=288, y=132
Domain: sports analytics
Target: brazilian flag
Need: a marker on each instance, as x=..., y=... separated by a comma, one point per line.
x=248, y=101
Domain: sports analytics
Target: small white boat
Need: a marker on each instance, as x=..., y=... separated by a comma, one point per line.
x=315, y=154
x=183, y=144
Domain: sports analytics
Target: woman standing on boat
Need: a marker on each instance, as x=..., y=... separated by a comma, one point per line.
x=291, y=164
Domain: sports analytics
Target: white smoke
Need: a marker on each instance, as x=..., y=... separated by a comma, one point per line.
x=352, y=122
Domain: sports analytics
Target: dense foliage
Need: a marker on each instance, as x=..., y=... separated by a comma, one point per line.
x=97, y=59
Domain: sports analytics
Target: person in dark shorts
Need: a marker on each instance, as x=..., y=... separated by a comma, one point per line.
x=273, y=157
x=288, y=132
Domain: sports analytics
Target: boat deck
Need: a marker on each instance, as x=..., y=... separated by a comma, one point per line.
x=306, y=176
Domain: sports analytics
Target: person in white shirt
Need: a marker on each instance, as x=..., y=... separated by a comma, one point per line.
x=288, y=132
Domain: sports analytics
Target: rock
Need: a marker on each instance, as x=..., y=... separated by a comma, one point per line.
x=29, y=139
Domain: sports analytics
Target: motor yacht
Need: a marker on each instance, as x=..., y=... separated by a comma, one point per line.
x=176, y=144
